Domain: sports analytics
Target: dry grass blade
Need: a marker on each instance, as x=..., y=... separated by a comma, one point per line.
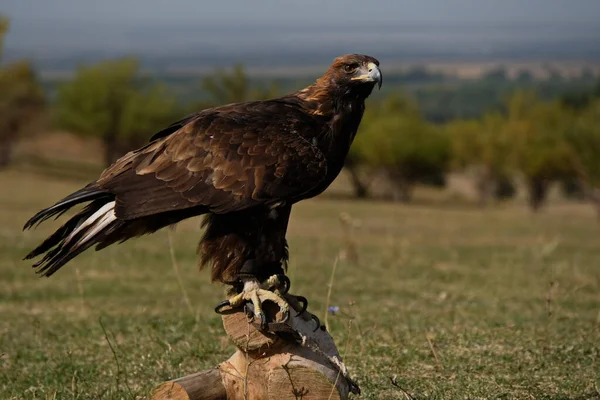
x=112, y=349
x=329, y=289
x=434, y=351
x=184, y=293
x=395, y=383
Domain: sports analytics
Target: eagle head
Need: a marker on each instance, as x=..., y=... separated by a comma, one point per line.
x=355, y=73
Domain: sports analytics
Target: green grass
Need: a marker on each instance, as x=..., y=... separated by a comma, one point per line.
x=456, y=303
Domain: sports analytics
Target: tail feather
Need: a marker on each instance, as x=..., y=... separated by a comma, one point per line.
x=97, y=224
x=88, y=193
x=60, y=234
x=82, y=231
x=95, y=219
x=74, y=245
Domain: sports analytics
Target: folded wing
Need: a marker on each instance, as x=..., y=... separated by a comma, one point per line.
x=225, y=159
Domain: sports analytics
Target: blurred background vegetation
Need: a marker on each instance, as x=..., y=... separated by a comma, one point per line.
x=504, y=134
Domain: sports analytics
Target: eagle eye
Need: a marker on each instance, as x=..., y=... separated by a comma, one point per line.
x=350, y=67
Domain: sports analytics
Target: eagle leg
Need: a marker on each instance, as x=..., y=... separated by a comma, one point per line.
x=280, y=284
x=254, y=293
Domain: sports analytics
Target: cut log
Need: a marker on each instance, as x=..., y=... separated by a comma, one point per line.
x=244, y=335
x=205, y=385
x=298, y=362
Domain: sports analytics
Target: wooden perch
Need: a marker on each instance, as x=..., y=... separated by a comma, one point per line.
x=296, y=363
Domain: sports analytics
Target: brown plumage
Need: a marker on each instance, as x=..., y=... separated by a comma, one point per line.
x=243, y=165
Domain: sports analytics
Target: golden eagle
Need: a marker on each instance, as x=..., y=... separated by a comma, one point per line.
x=241, y=165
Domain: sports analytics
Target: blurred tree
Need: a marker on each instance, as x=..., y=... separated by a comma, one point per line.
x=584, y=138
x=21, y=101
x=361, y=174
x=147, y=110
x=397, y=140
x=497, y=75
x=524, y=76
x=472, y=98
x=543, y=154
x=224, y=87
x=552, y=72
x=483, y=148
x=572, y=188
x=360, y=167
x=114, y=101
x=579, y=100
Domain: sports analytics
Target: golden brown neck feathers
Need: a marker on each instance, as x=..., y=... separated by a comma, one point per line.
x=321, y=94
x=342, y=84
x=318, y=99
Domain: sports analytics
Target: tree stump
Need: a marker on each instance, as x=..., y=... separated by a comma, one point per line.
x=298, y=362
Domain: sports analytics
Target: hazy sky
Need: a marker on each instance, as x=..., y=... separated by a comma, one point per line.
x=47, y=29
x=319, y=11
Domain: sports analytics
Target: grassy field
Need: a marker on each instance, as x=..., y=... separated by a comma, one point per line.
x=452, y=301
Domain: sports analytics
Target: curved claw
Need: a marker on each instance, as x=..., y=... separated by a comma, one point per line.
x=314, y=317
x=281, y=284
x=304, y=301
x=286, y=283
x=285, y=317
x=219, y=307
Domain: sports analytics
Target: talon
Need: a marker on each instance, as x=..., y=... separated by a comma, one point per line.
x=304, y=301
x=218, y=308
x=285, y=281
x=285, y=317
x=314, y=317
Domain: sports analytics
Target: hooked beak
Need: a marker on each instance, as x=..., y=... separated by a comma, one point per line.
x=373, y=74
